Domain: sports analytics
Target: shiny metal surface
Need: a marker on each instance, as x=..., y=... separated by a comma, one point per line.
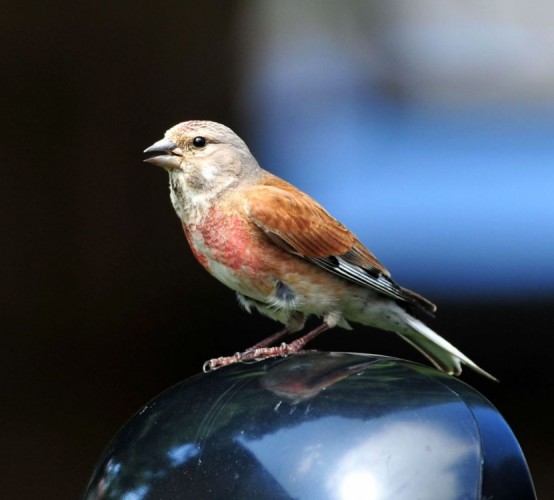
x=315, y=426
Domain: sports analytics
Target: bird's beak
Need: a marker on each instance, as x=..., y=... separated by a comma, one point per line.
x=171, y=157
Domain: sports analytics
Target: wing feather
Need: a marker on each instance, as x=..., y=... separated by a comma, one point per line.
x=299, y=225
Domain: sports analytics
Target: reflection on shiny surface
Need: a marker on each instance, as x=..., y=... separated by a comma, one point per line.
x=300, y=378
x=318, y=425
x=180, y=454
x=397, y=455
x=403, y=457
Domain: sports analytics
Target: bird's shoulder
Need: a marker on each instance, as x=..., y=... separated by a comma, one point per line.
x=293, y=219
x=286, y=213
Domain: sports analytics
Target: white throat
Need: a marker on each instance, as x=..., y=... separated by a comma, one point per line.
x=193, y=196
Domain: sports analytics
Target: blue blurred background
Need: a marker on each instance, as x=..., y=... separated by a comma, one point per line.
x=425, y=126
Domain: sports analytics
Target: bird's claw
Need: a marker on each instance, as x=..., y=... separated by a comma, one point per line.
x=215, y=363
x=256, y=354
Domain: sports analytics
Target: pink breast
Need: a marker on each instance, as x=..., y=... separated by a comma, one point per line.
x=225, y=239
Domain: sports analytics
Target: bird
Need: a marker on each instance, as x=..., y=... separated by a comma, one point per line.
x=281, y=252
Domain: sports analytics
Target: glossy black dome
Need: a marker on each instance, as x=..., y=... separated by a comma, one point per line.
x=315, y=426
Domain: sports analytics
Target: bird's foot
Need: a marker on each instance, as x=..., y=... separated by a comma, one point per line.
x=260, y=351
x=253, y=354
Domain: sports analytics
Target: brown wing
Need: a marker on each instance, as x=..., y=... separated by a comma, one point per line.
x=298, y=224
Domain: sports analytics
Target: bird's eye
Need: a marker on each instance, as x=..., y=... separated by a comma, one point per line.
x=199, y=142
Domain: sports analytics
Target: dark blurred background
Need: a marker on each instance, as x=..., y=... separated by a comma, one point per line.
x=426, y=127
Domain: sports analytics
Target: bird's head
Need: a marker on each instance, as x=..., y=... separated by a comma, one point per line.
x=203, y=160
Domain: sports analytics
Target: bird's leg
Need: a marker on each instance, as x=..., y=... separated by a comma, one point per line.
x=299, y=343
x=213, y=364
x=271, y=339
x=261, y=351
x=295, y=323
x=283, y=349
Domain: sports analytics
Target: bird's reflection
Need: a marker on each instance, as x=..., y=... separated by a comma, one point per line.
x=300, y=378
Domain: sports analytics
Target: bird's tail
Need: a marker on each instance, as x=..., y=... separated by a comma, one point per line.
x=438, y=350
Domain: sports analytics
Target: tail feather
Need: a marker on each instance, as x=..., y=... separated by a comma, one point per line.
x=420, y=302
x=438, y=350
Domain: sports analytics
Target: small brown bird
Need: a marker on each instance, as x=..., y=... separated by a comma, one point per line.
x=280, y=251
